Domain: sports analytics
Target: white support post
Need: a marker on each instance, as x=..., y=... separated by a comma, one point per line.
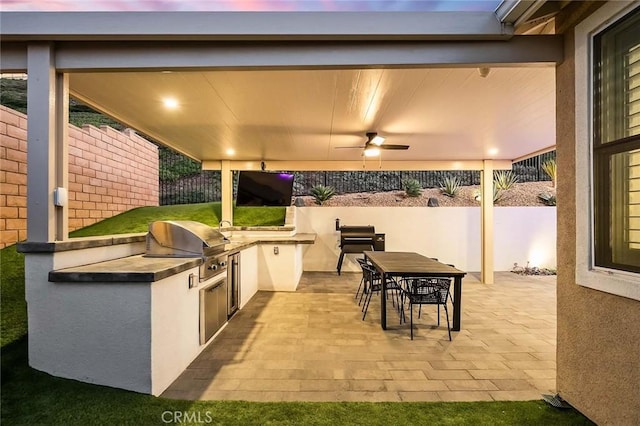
x=47, y=160
x=226, y=182
x=486, y=268
x=62, y=154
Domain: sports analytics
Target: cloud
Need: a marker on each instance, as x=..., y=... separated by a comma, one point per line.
x=249, y=5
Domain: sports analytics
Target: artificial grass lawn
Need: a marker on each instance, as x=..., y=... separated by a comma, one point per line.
x=32, y=397
x=137, y=220
x=13, y=307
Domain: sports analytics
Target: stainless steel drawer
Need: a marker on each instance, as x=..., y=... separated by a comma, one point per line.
x=213, y=309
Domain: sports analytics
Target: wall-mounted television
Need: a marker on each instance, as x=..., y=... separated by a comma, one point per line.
x=264, y=189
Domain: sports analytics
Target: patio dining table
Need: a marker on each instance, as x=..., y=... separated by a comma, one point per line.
x=410, y=264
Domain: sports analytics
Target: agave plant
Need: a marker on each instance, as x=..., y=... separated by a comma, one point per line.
x=322, y=193
x=412, y=187
x=450, y=186
x=549, y=167
x=504, y=179
x=497, y=194
x=547, y=199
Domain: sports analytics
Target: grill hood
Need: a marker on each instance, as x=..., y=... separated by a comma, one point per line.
x=183, y=238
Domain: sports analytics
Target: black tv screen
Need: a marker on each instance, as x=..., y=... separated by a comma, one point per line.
x=264, y=189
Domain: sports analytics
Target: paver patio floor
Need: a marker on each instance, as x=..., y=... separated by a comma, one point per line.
x=312, y=345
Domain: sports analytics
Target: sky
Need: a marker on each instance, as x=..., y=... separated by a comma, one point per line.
x=249, y=5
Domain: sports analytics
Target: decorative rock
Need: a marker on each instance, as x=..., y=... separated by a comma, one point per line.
x=299, y=202
x=432, y=202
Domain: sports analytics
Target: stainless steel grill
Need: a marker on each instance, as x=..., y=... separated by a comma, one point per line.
x=187, y=238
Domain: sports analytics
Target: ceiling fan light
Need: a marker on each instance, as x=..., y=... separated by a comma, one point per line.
x=377, y=140
x=371, y=152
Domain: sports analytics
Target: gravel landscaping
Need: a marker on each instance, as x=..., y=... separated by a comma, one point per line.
x=521, y=194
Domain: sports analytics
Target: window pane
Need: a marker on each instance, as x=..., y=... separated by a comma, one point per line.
x=632, y=92
x=616, y=145
x=625, y=208
x=618, y=82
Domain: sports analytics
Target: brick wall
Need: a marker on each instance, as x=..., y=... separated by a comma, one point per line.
x=109, y=172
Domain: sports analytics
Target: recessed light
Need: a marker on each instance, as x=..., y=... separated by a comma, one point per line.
x=493, y=151
x=170, y=103
x=231, y=151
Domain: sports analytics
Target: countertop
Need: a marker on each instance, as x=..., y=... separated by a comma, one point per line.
x=141, y=268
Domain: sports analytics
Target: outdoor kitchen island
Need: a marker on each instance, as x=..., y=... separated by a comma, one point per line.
x=101, y=311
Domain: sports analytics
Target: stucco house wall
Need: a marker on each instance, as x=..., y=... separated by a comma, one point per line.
x=598, y=348
x=109, y=172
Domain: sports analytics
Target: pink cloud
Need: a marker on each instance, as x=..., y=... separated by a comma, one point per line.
x=246, y=5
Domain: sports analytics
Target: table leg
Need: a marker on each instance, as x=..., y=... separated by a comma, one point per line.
x=457, y=303
x=383, y=302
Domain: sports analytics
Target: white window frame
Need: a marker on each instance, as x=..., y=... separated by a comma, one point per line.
x=621, y=283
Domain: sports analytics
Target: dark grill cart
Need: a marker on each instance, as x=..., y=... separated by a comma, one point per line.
x=357, y=239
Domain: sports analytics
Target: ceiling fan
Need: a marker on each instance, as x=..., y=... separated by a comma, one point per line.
x=374, y=144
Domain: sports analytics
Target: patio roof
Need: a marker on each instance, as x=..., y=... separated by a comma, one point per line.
x=304, y=86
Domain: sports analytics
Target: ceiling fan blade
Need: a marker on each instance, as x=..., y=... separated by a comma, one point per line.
x=348, y=147
x=390, y=146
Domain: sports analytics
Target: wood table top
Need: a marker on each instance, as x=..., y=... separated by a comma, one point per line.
x=410, y=264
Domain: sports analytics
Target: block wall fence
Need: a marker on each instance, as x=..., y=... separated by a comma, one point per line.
x=109, y=172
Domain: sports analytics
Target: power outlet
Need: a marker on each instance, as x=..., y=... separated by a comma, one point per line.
x=276, y=250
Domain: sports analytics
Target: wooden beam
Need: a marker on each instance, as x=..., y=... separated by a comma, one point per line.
x=257, y=26
x=526, y=50
x=369, y=165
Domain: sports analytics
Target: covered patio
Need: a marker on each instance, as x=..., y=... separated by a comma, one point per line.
x=312, y=345
x=477, y=100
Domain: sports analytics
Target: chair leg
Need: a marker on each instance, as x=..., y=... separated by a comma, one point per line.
x=438, y=315
x=393, y=297
x=366, y=304
x=359, y=287
x=366, y=299
x=364, y=291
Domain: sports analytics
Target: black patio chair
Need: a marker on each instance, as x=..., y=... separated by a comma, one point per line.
x=453, y=266
x=361, y=262
x=425, y=291
x=372, y=281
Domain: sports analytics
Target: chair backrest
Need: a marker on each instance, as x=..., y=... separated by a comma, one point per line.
x=361, y=261
x=428, y=290
x=370, y=273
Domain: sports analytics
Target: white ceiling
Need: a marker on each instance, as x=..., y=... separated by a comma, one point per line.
x=298, y=115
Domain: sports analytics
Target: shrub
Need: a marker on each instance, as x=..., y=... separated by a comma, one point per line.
x=549, y=167
x=547, y=199
x=504, y=179
x=497, y=194
x=412, y=187
x=450, y=186
x=322, y=193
